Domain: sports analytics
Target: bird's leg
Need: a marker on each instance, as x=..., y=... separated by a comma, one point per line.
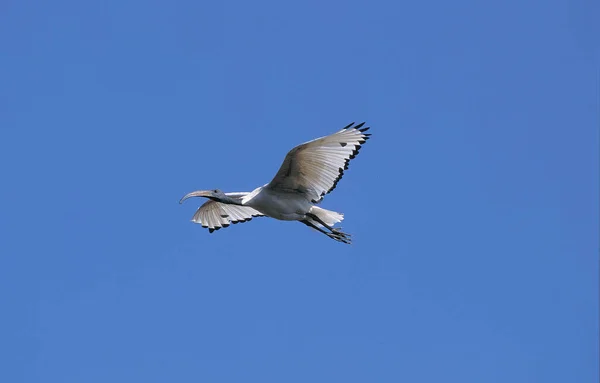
x=336, y=236
x=308, y=223
x=333, y=229
x=339, y=231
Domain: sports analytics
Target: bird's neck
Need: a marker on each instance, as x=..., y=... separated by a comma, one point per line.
x=231, y=200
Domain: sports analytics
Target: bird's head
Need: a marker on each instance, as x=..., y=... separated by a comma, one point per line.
x=215, y=195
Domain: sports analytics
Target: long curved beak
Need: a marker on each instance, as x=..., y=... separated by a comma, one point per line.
x=197, y=193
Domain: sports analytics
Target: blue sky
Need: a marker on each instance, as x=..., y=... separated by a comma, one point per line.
x=474, y=208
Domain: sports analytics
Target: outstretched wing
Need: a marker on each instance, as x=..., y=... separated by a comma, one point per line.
x=215, y=215
x=315, y=167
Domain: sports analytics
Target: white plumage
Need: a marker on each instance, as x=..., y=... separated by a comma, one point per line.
x=309, y=172
x=215, y=215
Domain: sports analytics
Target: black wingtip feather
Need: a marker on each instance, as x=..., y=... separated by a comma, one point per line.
x=213, y=229
x=347, y=163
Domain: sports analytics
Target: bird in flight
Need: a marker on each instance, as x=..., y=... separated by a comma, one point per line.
x=309, y=172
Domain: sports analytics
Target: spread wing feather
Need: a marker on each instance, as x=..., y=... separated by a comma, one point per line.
x=315, y=167
x=215, y=215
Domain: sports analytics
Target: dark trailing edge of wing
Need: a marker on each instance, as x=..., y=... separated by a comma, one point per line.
x=210, y=230
x=352, y=155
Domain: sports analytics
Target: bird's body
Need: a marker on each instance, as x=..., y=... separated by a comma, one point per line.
x=308, y=172
x=282, y=205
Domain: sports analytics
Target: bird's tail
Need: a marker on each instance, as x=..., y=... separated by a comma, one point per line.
x=327, y=216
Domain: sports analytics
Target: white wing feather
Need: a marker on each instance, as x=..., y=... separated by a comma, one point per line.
x=315, y=167
x=215, y=215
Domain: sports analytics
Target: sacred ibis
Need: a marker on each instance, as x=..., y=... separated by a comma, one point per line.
x=308, y=173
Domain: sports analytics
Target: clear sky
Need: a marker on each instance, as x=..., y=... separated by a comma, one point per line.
x=473, y=209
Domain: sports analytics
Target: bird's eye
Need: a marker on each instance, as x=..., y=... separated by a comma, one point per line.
x=216, y=190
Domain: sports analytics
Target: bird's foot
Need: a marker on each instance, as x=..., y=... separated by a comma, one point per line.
x=340, y=237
